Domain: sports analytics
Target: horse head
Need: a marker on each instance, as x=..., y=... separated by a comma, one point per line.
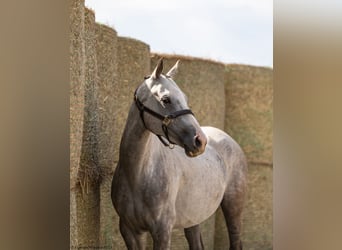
x=164, y=111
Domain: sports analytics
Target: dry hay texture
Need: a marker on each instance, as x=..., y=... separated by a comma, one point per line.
x=249, y=114
x=249, y=120
x=203, y=82
x=134, y=58
x=106, y=42
x=87, y=196
x=77, y=76
x=258, y=214
x=89, y=170
x=77, y=70
x=107, y=66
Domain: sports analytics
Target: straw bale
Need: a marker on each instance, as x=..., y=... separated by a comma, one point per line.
x=73, y=219
x=87, y=212
x=89, y=170
x=106, y=40
x=107, y=88
x=249, y=120
x=203, y=82
x=85, y=198
x=258, y=215
x=77, y=70
x=249, y=114
x=134, y=58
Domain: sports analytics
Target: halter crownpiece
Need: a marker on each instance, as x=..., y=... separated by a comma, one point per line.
x=166, y=119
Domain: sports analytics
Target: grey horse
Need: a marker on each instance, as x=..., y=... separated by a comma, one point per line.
x=157, y=188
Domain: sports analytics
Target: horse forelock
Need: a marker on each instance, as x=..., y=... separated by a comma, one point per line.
x=164, y=86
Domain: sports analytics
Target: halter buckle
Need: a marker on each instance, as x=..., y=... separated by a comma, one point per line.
x=166, y=121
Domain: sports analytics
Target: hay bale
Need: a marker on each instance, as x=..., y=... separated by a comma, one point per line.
x=249, y=115
x=76, y=104
x=249, y=120
x=73, y=220
x=77, y=70
x=257, y=231
x=106, y=40
x=89, y=173
x=134, y=58
x=87, y=194
x=87, y=212
x=107, y=89
x=203, y=82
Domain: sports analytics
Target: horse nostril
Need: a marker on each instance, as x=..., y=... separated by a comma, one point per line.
x=198, y=142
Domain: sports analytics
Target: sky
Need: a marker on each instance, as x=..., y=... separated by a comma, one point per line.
x=230, y=31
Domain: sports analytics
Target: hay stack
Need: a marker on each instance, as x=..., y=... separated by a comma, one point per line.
x=249, y=120
x=106, y=40
x=89, y=169
x=258, y=215
x=203, y=82
x=87, y=199
x=249, y=116
x=134, y=58
x=76, y=104
x=106, y=51
x=77, y=70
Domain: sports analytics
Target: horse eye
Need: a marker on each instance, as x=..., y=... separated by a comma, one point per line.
x=165, y=100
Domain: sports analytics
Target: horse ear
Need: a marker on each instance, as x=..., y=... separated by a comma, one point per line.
x=158, y=70
x=173, y=71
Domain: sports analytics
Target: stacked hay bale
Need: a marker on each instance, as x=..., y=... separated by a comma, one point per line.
x=249, y=120
x=77, y=70
x=76, y=104
x=89, y=173
x=134, y=58
x=107, y=63
x=203, y=82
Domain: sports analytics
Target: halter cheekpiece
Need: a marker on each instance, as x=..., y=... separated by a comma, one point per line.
x=166, y=119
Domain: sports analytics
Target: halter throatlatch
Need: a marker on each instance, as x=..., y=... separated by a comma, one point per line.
x=166, y=119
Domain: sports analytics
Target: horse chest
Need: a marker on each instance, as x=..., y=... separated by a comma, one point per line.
x=145, y=197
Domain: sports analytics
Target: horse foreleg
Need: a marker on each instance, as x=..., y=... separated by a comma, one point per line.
x=232, y=206
x=161, y=236
x=133, y=240
x=194, y=238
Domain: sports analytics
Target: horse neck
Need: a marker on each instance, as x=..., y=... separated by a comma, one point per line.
x=134, y=149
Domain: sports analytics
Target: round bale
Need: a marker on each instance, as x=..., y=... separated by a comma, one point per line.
x=134, y=58
x=77, y=77
x=77, y=57
x=249, y=120
x=107, y=90
x=106, y=42
x=87, y=199
x=249, y=116
x=89, y=169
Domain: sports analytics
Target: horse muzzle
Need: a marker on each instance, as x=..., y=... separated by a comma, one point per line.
x=197, y=146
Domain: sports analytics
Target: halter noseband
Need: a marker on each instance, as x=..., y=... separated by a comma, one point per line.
x=166, y=119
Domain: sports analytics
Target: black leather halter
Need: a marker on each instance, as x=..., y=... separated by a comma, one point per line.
x=166, y=119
